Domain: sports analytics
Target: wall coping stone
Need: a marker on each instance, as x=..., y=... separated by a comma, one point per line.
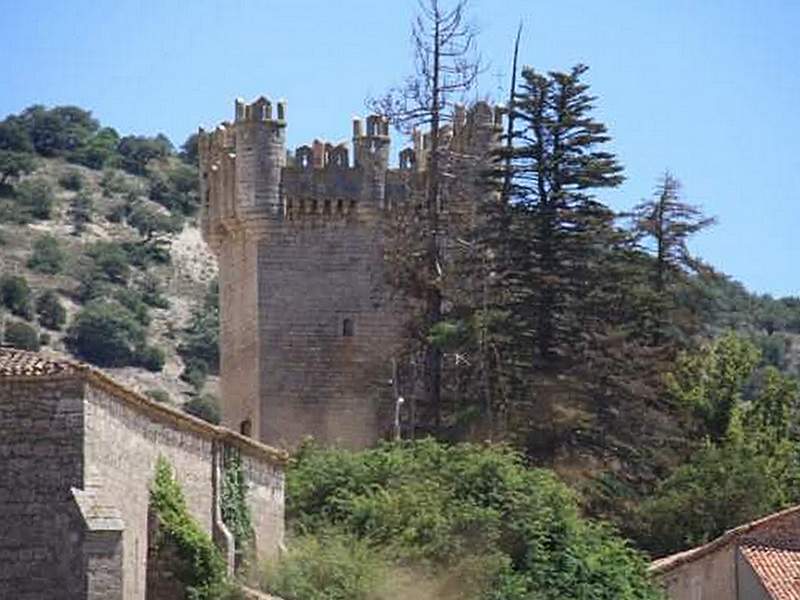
x=60, y=369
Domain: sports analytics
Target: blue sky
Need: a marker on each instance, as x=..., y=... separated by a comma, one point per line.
x=708, y=89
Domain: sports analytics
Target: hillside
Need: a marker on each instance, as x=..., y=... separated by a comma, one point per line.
x=108, y=237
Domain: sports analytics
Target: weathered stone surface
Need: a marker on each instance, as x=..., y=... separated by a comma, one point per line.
x=78, y=458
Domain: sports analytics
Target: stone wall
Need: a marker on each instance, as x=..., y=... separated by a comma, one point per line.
x=41, y=459
x=124, y=439
x=327, y=334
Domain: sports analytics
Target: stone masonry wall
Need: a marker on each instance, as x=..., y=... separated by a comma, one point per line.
x=41, y=437
x=123, y=443
x=239, y=342
x=327, y=333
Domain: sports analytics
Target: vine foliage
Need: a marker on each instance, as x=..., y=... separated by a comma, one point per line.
x=202, y=569
x=233, y=502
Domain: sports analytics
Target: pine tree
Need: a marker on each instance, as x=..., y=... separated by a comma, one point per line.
x=560, y=233
x=662, y=227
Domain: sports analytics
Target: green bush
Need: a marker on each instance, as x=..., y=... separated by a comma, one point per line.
x=151, y=358
x=47, y=257
x=21, y=335
x=14, y=165
x=202, y=569
x=111, y=261
x=80, y=212
x=35, y=200
x=44, y=339
x=106, y=334
x=114, y=182
x=326, y=567
x=52, y=313
x=16, y=295
x=204, y=407
x=159, y=396
x=177, y=189
x=132, y=300
x=137, y=151
x=152, y=293
x=440, y=507
x=195, y=372
x=72, y=180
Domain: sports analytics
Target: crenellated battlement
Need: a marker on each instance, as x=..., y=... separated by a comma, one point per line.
x=250, y=180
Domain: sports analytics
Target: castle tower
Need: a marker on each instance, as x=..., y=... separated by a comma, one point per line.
x=307, y=331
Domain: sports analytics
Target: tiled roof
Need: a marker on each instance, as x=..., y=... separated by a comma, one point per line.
x=667, y=563
x=22, y=363
x=777, y=568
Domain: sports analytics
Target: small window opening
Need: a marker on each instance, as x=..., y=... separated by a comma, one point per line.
x=246, y=427
x=327, y=207
x=348, y=329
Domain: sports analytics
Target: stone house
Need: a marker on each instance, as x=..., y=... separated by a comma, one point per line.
x=755, y=561
x=77, y=457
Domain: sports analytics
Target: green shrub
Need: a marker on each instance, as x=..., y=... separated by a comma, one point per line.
x=21, y=335
x=204, y=407
x=329, y=566
x=111, y=261
x=151, y=358
x=47, y=257
x=202, y=569
x=233, y=505
x=72, y=180
x=114, y=182
x=35, y=200
x=44, y=339
x=14, y=165
x=106, y=334
x=52, y=313
x=16, y=295
x=177, y=189
x=80, y=212
x=195, y=372
x=132, y=300
x=137, y=151
x=442, y=506
x=98, y=151
x=159, y=396
x=152, y=293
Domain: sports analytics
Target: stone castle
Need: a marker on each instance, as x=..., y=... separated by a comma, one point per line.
x=309, y=326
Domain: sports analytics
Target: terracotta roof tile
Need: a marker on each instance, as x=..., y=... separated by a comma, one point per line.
x=22, y=363
x=777, y=568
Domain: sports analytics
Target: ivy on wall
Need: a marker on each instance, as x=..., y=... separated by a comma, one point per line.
x=202, y=568
x=233, y=502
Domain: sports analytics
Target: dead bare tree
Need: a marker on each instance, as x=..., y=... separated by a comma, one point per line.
x=446, y=69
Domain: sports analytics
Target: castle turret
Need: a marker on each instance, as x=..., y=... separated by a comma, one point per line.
x=371, y=156
x=260, y=155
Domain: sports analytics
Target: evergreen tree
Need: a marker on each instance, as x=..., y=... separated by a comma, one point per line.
x=662, y=227
x=560, y=233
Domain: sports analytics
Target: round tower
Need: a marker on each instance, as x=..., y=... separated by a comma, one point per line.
x=260, y=140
